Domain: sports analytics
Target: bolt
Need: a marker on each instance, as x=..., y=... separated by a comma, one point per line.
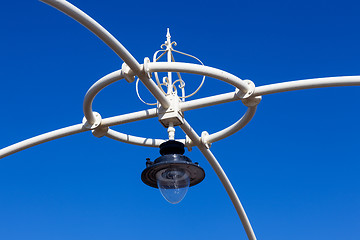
x=148, y=162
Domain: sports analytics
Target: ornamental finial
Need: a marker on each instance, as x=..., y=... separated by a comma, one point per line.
x=168, y=36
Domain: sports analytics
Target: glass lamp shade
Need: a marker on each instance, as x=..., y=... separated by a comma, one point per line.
x=173, y=184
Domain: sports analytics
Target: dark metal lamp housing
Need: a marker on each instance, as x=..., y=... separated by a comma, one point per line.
x=172, y=172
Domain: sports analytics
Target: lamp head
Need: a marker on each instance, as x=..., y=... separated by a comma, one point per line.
x=172, y=172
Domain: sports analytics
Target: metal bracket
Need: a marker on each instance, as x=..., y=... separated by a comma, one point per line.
x=96, y=124
x=172, y=114
x=100, y=131
x=146, y=68
x=250, y=91
x=188, y=143
x=251, y=102
x=128, y=73
x=204, y=139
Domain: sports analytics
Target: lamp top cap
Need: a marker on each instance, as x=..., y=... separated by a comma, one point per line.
x=172, y=147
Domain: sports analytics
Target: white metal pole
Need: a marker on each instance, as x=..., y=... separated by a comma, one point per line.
x=209, y=101
x=308, y=84
x=169, y=59
x=78, y=128
x=46, y=137
x=223, y=178
x=129, y=117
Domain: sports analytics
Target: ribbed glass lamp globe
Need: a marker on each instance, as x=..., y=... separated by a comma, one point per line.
x=173, y=184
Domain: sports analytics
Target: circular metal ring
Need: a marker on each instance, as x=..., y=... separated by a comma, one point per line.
x=246, y=86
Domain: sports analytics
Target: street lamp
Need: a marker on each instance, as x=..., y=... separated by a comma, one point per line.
x=172, y=172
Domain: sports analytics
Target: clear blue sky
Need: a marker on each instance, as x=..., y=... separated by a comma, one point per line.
x=295, y=166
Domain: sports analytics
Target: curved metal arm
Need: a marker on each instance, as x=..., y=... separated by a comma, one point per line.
x=233, y=128
x=223, y=178
x=307, y=84
x=95, y=89
x=111, y=41
x=97, y=29
x=46, y=137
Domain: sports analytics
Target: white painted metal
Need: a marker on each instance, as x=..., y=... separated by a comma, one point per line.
x=171, y=131
x=223, y=178
x=209, y=101
x=182, y=85
x=172, y=114
x=248, y=91
x=155, y=91
x=111, y=41
x=136, y=116
x=201, y=70
x=138, y=94
x=168, y=81
x=129, y=117
x=155, y=142
x=168, y=52
x=95, y=89
x=46, y=137
x=140, y=141
x=217, y=99
x=233, y=128
x=78, y=128
x=95, y=124
x=308, y=84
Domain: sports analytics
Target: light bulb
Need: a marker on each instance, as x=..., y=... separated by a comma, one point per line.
x=173, y=184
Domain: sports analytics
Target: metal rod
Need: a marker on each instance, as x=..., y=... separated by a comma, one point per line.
x=223, y=178
x=150, y=113
x=307, y=84
x=71, y=130
x=46, y=137
x=129, y=117
x=168, y=48
x=95, y=89
x=140, y=141
x=233, y=128
x=149, y=142
x=209, y=101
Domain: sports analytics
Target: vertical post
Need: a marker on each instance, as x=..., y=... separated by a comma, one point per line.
x=168, y=49
x=171, y=131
